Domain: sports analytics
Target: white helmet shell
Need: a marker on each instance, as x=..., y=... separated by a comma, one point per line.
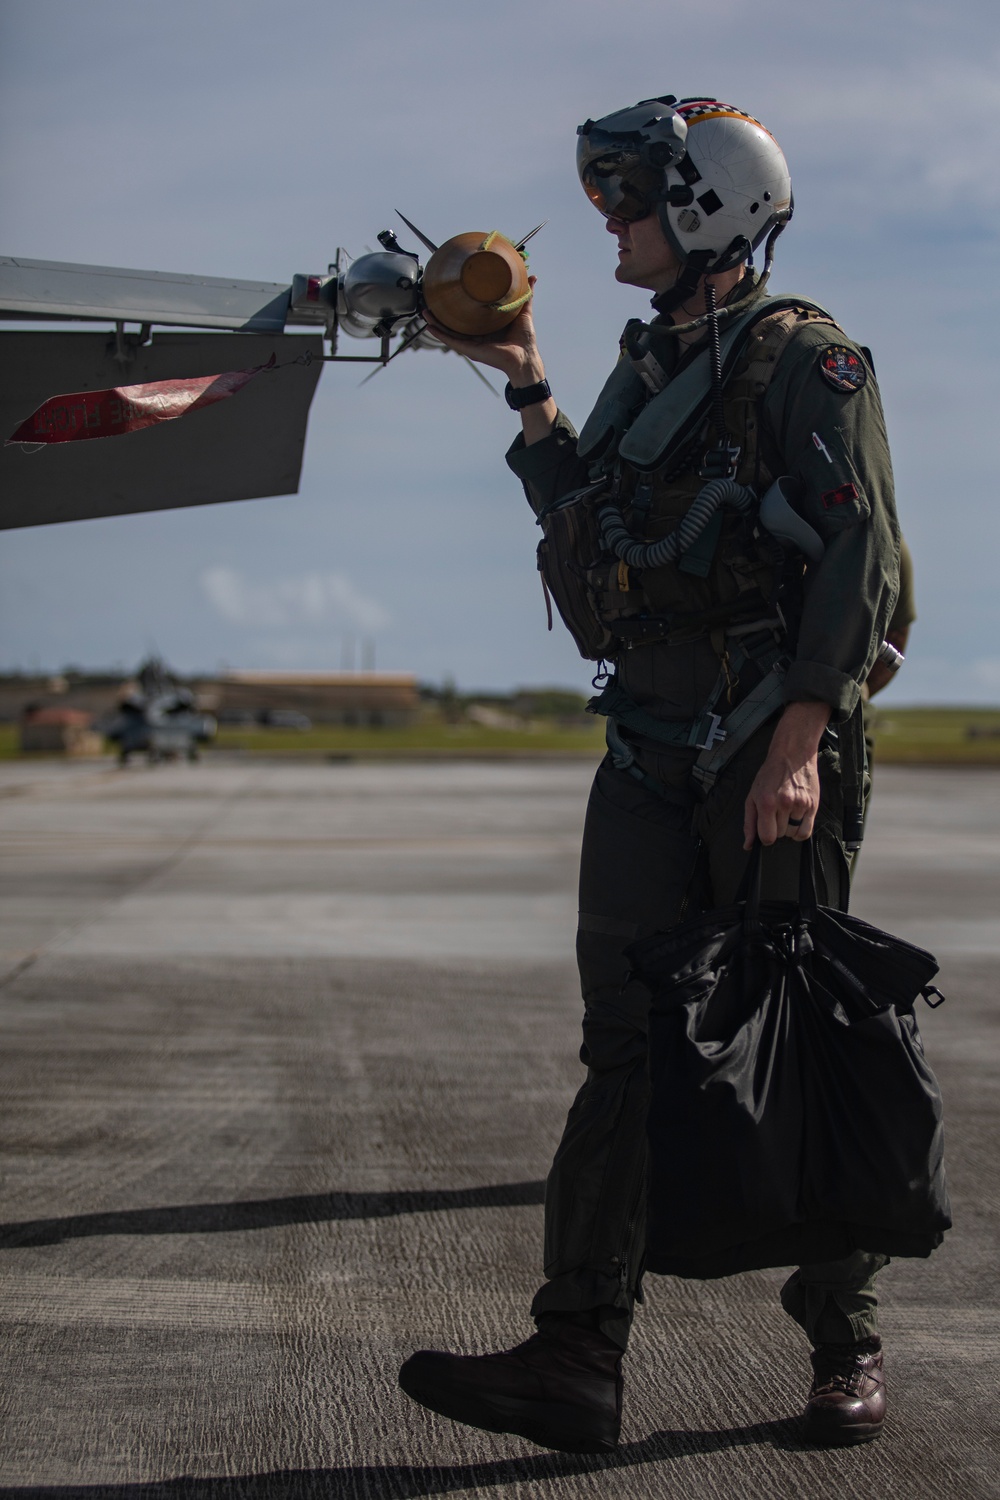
x=715, y=176
x=742, y=190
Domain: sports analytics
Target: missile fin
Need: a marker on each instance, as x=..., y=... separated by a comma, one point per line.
x=421, y=237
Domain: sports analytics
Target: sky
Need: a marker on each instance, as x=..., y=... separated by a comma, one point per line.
x=246, y=139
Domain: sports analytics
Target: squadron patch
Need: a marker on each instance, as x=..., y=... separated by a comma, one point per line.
x=842, y=368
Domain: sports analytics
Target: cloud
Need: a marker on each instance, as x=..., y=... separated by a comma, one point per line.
x=289, y=603
x=882, y=140
x=985, y=673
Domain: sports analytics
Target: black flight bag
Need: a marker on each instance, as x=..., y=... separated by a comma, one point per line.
x=793, y=1116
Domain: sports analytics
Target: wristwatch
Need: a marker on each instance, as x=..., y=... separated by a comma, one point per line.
x=526, y=395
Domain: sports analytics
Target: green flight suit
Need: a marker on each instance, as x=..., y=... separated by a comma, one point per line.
x=905, y=609
x=903, y=615
x=639, y=845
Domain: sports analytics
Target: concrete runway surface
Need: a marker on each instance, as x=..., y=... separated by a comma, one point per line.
x=286, y=1050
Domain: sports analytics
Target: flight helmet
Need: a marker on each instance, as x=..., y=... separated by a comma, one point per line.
x=717, y=179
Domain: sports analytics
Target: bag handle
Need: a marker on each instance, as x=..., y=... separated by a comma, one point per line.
x=749, y=891
x=808, y=901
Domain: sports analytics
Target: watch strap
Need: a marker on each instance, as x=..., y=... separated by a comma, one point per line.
x=526, y=395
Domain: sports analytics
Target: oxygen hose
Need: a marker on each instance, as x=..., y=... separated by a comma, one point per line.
x=710, y=498
x=717, y=492
x=744, y=303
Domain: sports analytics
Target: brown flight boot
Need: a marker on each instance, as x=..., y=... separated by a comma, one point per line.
x=562, y=1388
x=847, y=1400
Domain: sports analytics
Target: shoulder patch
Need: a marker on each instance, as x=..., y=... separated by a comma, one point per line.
x=842, y=495
x=842, y=368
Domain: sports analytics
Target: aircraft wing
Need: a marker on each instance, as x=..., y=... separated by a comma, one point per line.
x=241, y=449
x=50, y=289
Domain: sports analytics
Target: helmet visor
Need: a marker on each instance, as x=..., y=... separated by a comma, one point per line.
x=618, y=184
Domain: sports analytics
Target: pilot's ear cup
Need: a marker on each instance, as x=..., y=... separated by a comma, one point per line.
x=475, y=284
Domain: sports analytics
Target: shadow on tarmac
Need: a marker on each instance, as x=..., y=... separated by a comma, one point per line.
x=265, y=1213
x=405, y=1482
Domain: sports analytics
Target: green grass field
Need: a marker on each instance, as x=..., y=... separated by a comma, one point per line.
x=904, y=736
x=940, y=736
x=430, y=738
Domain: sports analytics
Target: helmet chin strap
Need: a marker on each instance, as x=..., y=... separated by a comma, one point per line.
x=684, y=288
x=686, y=284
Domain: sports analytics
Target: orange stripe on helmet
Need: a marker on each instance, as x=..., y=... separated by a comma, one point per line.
x=696, y=114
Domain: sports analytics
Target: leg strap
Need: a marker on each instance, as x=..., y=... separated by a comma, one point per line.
x=623, y=759
x=761, y=704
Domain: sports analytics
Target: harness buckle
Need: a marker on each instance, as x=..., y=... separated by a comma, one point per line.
x=714, y=735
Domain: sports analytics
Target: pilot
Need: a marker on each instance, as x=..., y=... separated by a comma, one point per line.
x=688, y=191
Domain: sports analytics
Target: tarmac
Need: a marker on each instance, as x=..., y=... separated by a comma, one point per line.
x=286, y=1051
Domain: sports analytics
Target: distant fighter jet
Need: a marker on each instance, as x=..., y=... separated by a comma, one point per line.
x=159, y=719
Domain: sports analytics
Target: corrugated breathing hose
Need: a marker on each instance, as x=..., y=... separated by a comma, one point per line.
x=710, y=498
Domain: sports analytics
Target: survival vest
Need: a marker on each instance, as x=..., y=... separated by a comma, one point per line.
x=645, y=453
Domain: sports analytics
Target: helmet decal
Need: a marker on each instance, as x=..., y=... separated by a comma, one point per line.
x=710, y=109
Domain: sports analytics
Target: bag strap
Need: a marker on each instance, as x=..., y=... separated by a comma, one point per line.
x=749, y=889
